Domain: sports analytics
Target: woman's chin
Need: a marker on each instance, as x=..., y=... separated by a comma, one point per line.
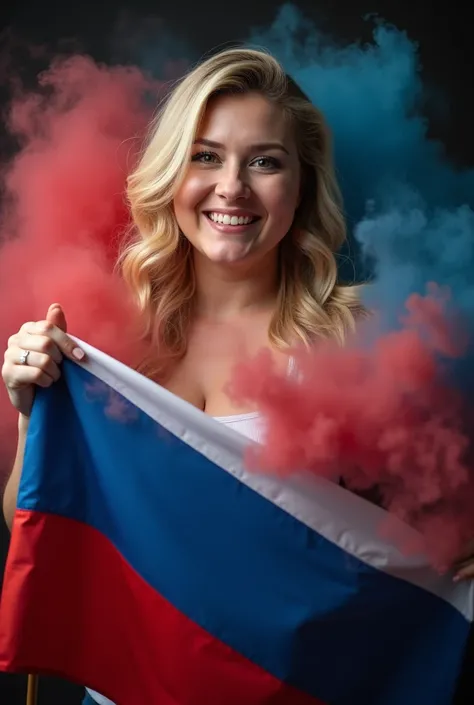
x=228, y=254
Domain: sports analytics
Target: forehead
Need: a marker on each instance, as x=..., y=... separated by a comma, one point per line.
x=245, y=118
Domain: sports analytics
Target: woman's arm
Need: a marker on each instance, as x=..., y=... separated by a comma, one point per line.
x=11, y=488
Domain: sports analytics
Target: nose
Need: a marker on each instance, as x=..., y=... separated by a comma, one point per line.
x=231, y=184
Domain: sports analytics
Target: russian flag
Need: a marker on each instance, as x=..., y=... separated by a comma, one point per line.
x=148, y=563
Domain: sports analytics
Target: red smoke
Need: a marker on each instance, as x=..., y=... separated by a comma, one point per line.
x=64, y=212
x=378, y=416
x=381, y=417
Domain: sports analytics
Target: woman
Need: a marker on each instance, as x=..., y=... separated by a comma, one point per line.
x=238, y=218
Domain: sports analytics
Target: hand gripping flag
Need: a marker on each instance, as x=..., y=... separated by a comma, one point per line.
x=148, y=563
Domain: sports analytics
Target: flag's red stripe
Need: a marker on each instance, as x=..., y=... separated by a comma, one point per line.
x=86, y=615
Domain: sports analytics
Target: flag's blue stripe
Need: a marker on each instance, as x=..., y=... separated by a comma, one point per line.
x=239, y=566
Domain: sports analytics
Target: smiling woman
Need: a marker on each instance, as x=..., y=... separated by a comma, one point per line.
x=237, y=222
x=239, y=196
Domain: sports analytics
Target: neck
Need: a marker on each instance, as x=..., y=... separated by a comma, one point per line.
x=225, y=291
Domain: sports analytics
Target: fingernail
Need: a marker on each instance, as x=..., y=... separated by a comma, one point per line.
x=78, y=353
x=456, y=578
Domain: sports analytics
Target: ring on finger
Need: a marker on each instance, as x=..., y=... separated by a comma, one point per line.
x=24, y=357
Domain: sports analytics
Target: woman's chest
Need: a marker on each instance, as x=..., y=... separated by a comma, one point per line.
x=202, y=376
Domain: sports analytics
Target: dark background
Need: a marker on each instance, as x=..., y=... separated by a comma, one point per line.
x=137, y=32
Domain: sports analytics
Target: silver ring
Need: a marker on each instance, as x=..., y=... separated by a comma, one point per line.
x=24, y=357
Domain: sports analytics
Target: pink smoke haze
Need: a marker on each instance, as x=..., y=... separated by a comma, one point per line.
x=379, y=416
x=65, y=213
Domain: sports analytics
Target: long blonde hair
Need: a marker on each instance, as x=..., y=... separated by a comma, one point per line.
x=157, y=264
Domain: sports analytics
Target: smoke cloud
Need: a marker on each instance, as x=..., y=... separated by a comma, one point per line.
x=392, y=409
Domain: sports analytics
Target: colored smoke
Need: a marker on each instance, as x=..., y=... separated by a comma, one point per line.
x=392, y=411
x=64, y=212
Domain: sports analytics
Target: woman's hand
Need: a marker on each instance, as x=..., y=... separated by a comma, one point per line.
x=464, y=565
x=33, y=357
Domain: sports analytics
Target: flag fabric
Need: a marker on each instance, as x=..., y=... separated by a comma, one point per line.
x=149, y=563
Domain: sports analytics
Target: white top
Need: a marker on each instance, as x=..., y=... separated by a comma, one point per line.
x=250, y=425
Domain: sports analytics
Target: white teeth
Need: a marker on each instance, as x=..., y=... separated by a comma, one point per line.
x=230, y=220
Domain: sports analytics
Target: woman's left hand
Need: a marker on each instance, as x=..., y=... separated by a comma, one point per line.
x=464, y=565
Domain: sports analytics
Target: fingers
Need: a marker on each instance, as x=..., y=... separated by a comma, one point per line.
x=46, y=343
x=465, y=571
x=40, y=344
x=464, y=565
x=41, y=368
x=48, y=336
x=45, y=362
x=25, y=375
x=55, y=315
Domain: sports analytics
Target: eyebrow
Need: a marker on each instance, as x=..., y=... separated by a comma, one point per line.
x=261, y=146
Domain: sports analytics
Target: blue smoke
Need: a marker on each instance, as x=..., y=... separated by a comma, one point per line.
x=409, y=210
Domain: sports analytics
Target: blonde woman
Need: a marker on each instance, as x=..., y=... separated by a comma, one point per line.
x=237, y=219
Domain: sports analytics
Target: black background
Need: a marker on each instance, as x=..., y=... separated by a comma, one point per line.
x=117, y=31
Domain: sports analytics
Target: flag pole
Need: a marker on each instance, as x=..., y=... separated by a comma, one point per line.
x=32, y=690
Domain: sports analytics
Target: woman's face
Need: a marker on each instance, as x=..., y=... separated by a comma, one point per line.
x=241, y=189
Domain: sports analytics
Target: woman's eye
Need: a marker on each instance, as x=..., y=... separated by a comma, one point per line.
x=266, y=163
x=204, y=157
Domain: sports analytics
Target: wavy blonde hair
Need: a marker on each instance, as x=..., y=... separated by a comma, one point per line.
x=157, y=263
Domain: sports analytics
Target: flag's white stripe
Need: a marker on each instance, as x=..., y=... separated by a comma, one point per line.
x=101, y=699
x=337, y=514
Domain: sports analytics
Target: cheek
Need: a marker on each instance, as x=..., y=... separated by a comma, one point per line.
x=192, y=191
x=282, y=201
